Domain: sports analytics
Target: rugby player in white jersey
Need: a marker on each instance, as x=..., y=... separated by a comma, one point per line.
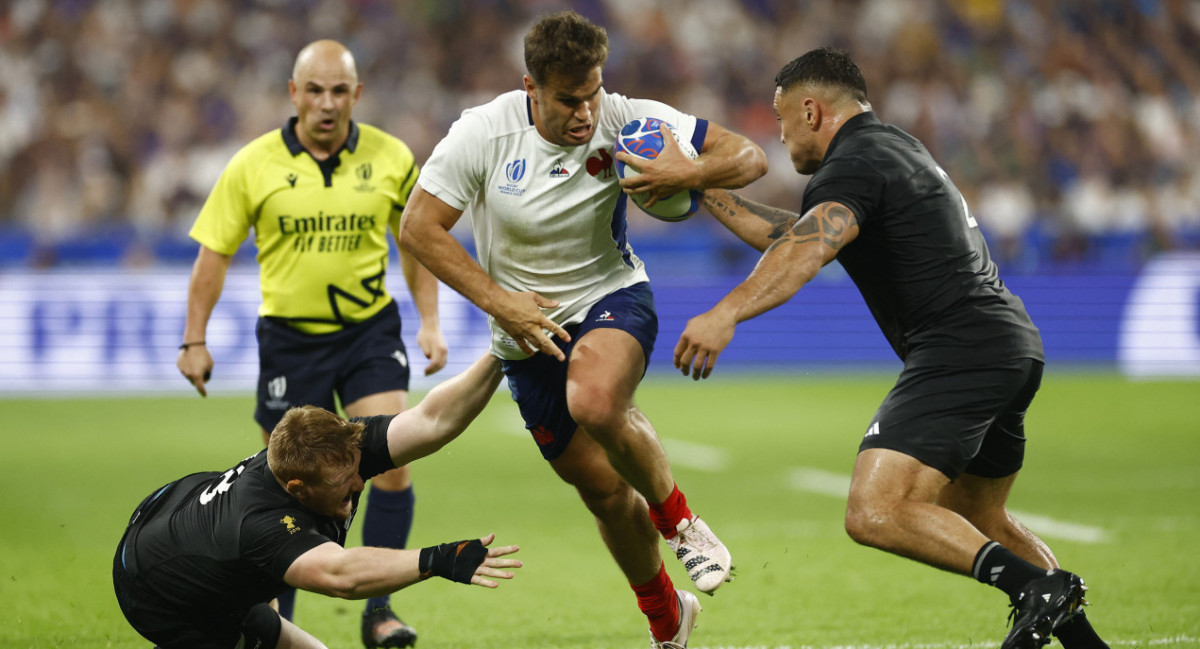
x=572, y=314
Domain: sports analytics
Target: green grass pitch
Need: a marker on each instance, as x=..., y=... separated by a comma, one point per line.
x=1112, y=479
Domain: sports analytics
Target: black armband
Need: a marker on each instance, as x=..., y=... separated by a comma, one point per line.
x=453, y=561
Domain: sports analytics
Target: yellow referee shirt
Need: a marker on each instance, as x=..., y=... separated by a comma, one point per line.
x=321, y=227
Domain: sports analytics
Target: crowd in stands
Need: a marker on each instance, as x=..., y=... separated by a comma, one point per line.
x=1069, y=125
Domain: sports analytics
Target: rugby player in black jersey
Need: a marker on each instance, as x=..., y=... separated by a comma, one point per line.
x=940, y=456
x=203, y=556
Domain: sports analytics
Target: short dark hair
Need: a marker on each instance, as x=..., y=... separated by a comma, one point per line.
x=825, y=66
x=565, y=45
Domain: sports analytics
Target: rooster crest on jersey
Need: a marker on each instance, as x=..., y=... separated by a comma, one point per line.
x=641, y=138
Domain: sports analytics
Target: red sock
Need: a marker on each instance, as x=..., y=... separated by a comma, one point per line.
x=658, y=601
x=667, y=514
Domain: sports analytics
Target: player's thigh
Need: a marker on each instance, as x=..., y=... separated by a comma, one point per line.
x=538, y=386
x=605, y=364
x=612, y=349
x=883, y=476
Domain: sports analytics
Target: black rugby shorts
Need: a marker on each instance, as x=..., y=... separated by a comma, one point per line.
x=959, y=419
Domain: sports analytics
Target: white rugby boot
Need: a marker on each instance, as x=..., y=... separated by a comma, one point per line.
x=689, y=610
x=706, y=559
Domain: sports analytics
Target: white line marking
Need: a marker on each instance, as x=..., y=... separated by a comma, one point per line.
x=696, y=456
x=837, y=485
x=821, y=482
x=1046, y=526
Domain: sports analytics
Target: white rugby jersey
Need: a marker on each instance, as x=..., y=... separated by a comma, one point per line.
x=546, y=218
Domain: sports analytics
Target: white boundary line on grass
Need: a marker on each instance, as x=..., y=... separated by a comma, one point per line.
x=696, y=456
x=950, y=645
x=837, y=485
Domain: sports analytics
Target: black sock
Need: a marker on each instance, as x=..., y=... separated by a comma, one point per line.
x=1077, y=633
x=996, y=566
x=287, y=604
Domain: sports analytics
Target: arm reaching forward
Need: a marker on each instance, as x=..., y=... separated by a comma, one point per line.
x=786, y=266
x=362, y=572
x=444, y=413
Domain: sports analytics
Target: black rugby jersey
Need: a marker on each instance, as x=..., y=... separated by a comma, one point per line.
x=217, y=543
x=919, y=259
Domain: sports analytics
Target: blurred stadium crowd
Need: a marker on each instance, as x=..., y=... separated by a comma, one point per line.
x=1072, y=126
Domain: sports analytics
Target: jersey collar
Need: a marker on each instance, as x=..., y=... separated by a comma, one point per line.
x=856, y=123
x=295, y=148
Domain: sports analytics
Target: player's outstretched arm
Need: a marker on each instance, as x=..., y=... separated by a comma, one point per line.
x=444, y=413
x=757, y=224
x=207, y=281
x=425, y=232
x=786, y=266
x=362, y=572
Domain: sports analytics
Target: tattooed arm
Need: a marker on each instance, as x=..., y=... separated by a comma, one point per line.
x=787, y=265
x=757, y=224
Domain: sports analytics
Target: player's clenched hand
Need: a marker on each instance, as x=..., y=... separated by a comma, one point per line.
x=520, y=314
x=433, y=345
x=702, y=341
x=492, y=566
x=196, y=363
x=669, y=173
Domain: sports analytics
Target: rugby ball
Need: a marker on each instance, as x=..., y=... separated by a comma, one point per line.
x=641, y=138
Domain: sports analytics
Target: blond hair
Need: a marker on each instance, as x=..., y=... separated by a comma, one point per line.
x=308, y=440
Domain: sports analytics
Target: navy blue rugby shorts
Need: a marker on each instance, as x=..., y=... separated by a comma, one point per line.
x=959, y=419
x=297, y=369
x=539, y=383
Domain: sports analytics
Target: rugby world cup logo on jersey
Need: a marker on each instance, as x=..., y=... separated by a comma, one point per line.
x=276, y=388
x=513, y=171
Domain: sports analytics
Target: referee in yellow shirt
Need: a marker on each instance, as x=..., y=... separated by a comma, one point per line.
x=320, y=194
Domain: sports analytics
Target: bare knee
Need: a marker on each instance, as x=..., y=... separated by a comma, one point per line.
x=596, y=410
x=867, y=522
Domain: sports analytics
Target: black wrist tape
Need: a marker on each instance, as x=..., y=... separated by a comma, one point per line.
x=454, y=561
